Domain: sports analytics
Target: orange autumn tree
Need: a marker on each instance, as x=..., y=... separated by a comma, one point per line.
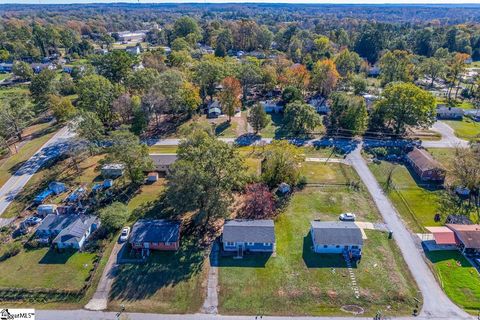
x=230, y=95
x=298, y=77
x=325, y=77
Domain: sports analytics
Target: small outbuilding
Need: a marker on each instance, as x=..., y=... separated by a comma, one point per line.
x=57, y=187
x=337, y=237
x=467, y=237
x=45, y=209
x=427, y=168
x=214, y=109
x=248, y=235
x=155, y=234
x=113, y=170
x=152, y=177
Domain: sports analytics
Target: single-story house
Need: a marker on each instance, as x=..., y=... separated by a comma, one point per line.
x=271, y=106
x=214, y=109
x=68, y=230
x=467, y=237
x=336, y=237
x=444, y=112
x=44, y=210
x=163, y=162
x=6, y=67
x=320, y=105
x=155, y=234
x=370, y=100
x=427, y=168
x=135, y=50
x=75, y=235
x=248, y=235
x=112, y=170
x=129, y=36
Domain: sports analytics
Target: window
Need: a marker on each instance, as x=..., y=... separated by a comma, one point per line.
x=325, y=246
x=337, y=246
x=266, y=244
x=230, y=244
x=250, y=243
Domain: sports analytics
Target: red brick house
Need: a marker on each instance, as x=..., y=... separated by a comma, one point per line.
x=151, y=234
x=427, y=168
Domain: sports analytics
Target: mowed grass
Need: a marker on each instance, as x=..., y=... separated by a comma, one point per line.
x=417, y=204
x=458, y=278
x=9, y=165
x=465, y=129
x=42, y=268
x=297, y=281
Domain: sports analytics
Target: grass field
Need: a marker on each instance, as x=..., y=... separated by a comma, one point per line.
x=298, y=282
x=417, y=204
x=42, y=268
x=465, y=129
x=10, y=92
x=458, y=278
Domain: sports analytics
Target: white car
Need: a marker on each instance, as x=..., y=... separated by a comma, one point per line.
x=125, y=233
x=347, y=216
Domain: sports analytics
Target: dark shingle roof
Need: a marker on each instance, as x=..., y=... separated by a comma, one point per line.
x=468, y=234
x=257, y=231
x=336, y=233
x=57, y=222
x=75, y=231
x=163, y=159
x=149, y=230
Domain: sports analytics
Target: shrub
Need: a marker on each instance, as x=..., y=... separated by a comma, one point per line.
x=11, y=250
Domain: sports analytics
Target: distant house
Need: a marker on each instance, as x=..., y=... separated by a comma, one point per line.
x=38, y=67
x=6, y=67
x=248, y=235
x=370, y=100
x=152, y=177
x=101, y=51
x=444, y=112
x=214, y=109
x=44, y=210
x=67, y=230
x=135, y=36
x=271, y=106
x=320, y=105
x=57, y=187
x=163, y=162
x=112, y=170
x=427, y=168
x=151, y=234
x=336, y=237
x=135, y=50
x=374, y=71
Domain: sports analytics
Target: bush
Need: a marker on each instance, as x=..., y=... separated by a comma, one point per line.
x=11, y=250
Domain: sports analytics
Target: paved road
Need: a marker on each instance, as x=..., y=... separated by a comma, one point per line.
x=449, y=139
x=99, y=300
x=52, y=148
x=435, y=303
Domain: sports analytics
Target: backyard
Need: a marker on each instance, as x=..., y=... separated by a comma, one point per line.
x=465, y=129
x=295, y=281
x=458, y=278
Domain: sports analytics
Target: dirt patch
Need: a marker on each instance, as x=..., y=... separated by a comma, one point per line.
x=332, y=294
x=353, y=309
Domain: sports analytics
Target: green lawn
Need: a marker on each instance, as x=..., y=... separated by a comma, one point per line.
x=416, y=204
x=42, y=268
x=10, y=164
x=446, y=156
x=458, y=278
x=5, y=76
x=465, y=129
x=298, y=282
x=274, y=126
x=10, y=92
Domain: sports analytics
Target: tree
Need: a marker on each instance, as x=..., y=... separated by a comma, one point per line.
x=96, y=94
x=224, y=43
x=186, y=27
x=456, y=67
x=259, y=202
x=190, y=97
x=395, y=66
x=41, y=87
x=359, y=84
x=325, y=77
x=89, y=127
x=22, y=70
x=141, y=80
x=291, y=94
x=66, y=85
x=4, y=55
x=258, y=118
x=180, y=44
x=204, y=176
x=297, y=76
x=62, y=108
x=123, y=107
x=15, y=116
x=249, y=74
x=348, y=113
x=404, y=104
x=300, y=118
x=208, y=73
x=127, y=149
x=115, y=65
x=230, y=96
x=347, y=62
x=281, y=163
x=433, y=68
x=114, y=216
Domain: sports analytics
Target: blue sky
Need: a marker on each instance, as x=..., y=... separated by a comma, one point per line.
x=247, y=1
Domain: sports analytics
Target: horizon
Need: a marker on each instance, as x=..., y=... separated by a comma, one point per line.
x=207, y=2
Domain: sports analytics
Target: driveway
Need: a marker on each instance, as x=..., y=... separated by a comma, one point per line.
x=99, y=300
x=51, y=149
x=448, y=140
x=435, y=303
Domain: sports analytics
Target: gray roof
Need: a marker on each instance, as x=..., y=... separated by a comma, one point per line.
x=150, y=230
x=257, y=231
x=163, y=159
x=75, y=231
x=336, y=233
x=445, y=109
x=57, y=222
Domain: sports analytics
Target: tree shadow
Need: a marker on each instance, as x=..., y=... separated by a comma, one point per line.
x=220, y=128
x=320, y=260
x=56, y=257
x=442, y=255
x=429, y=186
x=249, y=260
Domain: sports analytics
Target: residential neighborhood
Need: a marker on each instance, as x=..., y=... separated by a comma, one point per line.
x=239, y=160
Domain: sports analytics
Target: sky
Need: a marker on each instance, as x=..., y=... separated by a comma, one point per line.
x=249, y=1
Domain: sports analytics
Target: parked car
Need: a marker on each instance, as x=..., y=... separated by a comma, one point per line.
x=347, y=216
x=125, y=233
x=31, y=221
